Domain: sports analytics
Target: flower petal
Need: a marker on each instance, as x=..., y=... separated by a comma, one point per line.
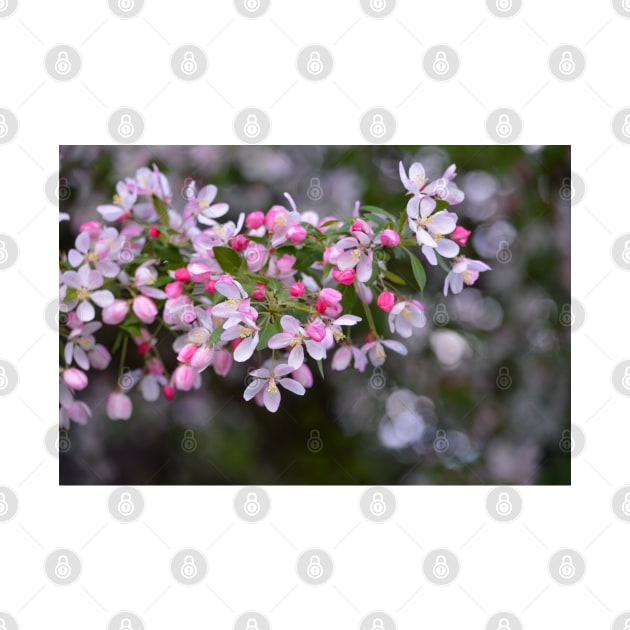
x=292, y=385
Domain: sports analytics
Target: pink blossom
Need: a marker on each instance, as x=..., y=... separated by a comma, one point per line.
x=316, y=330
x=75, y=379
x=385, y=301
x=85, y=281
x=254, y=220
x=119, y=406
x=199, y=272
x=80, y=342
x=99, y=357
x=296, y=233
x=405, y=316
x=390, y=238
x=222, y=362
x=202, y=358
x=145, y=277
x=240, y=242
x=344, y=277
x=93, y=246
x=295, y=337
x=255, y=256
x=71, y=409
x=304, y=376
x=246, y=332
x=116, y=312
x=464, y=271
x=344, y=356
x=182, y=274
x=375, y=350
x=267, y=381
x=168, y=391
x=285, y=264
x=174, y=289
x=145, y=309
x=297, y=289
x=184, y=378
x=460, y=235
x=356, y=253
x=202, y=207
x=259, y=292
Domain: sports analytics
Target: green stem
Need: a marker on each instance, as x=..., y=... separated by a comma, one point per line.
x=368, y=314
x=123, y=356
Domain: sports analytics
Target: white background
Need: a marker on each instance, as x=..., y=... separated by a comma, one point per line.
x=252, y=63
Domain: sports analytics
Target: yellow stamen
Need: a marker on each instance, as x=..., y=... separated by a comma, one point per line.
x=406, y=312
x=245, y=332
x=92, y=257
x=272, y=389
x=83, y=294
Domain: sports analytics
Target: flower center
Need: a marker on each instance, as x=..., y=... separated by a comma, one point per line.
x=273, y=388
x=245, y=332
x=117, y=200
x=83, y=294
x=406, y=312
x=356, y=254
x=92, y=257
x=296, y=341
x=380, y=352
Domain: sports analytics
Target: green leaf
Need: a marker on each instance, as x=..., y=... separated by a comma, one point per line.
x=320, y=366
x=266, y=333
x=349, y=298
x=161, y=209
x=229, y=260
x=378, y=211
x=393, y=277
x=119, y=338
x=418, y=272
x=216, y=335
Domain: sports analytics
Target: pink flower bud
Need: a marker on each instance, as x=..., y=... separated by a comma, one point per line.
x=330, y=295
x=174, y=289
x=92, y=227
x=254, y=220
x=222, y=362
x=154, y=232
x=296, y=233
x=145, y=309
x=390, y=238
x=155, y=367
x=259, y=292
x=198, y=272
x=360, y=226
x=119, y=406
x=186, y=353
x=460, y=235
x=116, y=312
x=211, y=286
x=202, y=358
x=386, y=301
x=169, y=392
x=297, y=289
x=75, y=379
x=182, y=274
x=99, y=357
x=276, y=216
x=240, y=242
x=316, y=330
x=303, y=375
x=184, y=378
x=344, y=277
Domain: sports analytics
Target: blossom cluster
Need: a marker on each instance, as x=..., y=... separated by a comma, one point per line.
x=285, y=288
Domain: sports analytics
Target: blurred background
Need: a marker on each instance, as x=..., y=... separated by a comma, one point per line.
x=483, y=396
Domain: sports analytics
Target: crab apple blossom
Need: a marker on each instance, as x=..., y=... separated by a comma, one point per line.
x=265, y=295
x=119, y=406
x=464, y=271
x=267, y=381
x=405, y=316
